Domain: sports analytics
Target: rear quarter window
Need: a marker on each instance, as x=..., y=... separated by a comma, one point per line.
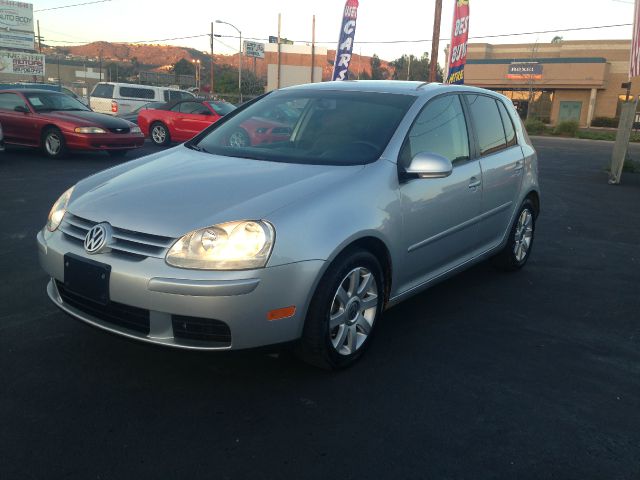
x=103, y=91
x=137, y=92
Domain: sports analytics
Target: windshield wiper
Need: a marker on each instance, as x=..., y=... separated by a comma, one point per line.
x=195, y=147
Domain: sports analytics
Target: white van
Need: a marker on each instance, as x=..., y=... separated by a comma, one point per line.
x=122, y=98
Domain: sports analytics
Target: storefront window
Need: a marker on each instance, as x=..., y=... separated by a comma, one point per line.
x=531, y=103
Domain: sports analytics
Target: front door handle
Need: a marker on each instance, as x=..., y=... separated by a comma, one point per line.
x=474, y=183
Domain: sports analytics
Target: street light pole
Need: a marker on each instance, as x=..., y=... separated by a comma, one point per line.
x=239, y=57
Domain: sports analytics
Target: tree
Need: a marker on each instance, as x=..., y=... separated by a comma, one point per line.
x=556, y=39
x=183, y=67
x=409, y=67
x=377, y=71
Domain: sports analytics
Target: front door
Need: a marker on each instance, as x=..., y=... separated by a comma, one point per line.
x=439, y=230
x=18, y=127
x=192, y=119
x=570, y=111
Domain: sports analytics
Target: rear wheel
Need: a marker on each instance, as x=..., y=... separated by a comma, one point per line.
x=53, y=143
x=518, y=248
x=159, y=134
x=343, y=313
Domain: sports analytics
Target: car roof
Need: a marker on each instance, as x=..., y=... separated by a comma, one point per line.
x=387, y=86
x=30, y=90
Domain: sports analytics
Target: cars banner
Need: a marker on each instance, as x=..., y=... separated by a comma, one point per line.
x=345, y=43
x=459, y=37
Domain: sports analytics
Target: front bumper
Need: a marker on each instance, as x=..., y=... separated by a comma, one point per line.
x=237, y=299
x=104, y=141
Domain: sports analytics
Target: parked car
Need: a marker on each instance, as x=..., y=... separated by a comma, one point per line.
x=115, y=98
x=381, y=190
x=43, y=86
x=133, y=116
x=181, y=120
x=57, y=123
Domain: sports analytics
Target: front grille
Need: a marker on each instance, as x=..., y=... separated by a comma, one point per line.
x=119, y=130
x=132, y=318
x=126, y=242
x=204, y=329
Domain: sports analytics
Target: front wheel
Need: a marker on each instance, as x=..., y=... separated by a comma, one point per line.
x=53, y=143
x=159, y=134
x=343, y=312
x=518, y=248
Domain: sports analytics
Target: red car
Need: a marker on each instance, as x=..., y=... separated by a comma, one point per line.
x=178, y=122
x=57, y=123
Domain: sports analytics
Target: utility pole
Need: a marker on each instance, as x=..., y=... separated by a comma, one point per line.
x=279, y=51
x=39, y=38
x=211, y=72
x=435, y=44
x=313, y=46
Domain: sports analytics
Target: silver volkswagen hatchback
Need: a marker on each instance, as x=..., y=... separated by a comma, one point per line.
x=304, y=232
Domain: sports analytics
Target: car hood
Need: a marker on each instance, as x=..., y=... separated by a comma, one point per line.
x=87, y=118
x=182, y=190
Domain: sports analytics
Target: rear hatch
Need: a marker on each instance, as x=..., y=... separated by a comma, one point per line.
x=101, y=99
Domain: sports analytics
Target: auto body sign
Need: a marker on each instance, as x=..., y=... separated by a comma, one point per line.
x=345, y=44
x=16, y=16
x=459, y=37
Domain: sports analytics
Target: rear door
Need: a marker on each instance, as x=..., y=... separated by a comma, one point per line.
x=131, y=97
x=502, y=166
x=439, y=215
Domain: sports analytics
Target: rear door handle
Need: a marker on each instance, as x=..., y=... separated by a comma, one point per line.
x=474, y=183
x=519, y=166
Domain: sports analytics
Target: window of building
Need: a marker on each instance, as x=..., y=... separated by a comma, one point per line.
x=440, y=128
x=487, y=123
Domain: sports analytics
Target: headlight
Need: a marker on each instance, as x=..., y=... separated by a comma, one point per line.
x=228, y=246
x=58, y=210
x=90, y=130
x=135, y=129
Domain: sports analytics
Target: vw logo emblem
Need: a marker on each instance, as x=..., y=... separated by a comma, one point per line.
x=96, y=238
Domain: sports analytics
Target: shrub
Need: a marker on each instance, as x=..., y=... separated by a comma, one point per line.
x=535, y=126
x=605, y=122
x=567, y=129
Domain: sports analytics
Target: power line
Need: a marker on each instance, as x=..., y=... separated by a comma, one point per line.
x=69, y=6
x=377, y=42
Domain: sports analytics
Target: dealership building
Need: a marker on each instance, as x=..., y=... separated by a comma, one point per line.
x=568, y=80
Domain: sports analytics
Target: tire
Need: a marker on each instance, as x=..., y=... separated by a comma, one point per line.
x=239, y=138
x=159, y=134
x=53, y=143
x=342, y=314
x=117, y=153
x=518, y=248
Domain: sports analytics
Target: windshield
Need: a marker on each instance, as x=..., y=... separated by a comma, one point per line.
x=320, y=127
x=222, y=108
x=48, y=101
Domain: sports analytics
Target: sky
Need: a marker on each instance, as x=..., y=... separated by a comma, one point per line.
x=378, y=21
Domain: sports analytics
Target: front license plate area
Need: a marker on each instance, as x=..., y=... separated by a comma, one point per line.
x=87, y=278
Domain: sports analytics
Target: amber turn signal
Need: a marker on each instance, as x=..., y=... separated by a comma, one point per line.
x=281, y=313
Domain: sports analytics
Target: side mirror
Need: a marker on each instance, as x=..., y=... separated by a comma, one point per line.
x=429, y=165
x=21, y=109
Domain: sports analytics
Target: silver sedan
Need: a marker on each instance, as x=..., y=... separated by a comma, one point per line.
x=368, y=193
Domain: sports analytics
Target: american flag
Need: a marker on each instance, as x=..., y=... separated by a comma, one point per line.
x=634, y=64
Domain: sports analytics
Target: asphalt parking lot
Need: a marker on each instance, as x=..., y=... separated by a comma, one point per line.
x=488, y=375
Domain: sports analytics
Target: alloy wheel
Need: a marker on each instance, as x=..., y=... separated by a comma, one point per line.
x=159, y=134
x=353, y=311
x=53, y=144
x=523, y=235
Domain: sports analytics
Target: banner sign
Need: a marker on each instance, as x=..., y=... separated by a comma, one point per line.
x=16, y=16
x=345, y=43
x=524, y=71
x=17, y=63
x=18, y=40
x=634, y=64
x=254, y=49
x=283, y=41
x=458, y=48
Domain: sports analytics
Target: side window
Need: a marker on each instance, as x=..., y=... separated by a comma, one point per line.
x=509, y=129
x=193, y=107
x=9, y=101
x=136, y=92
x=166, y=96
x=488, y=124
x=439, y=128
x=103, y=90
x=176, y=107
